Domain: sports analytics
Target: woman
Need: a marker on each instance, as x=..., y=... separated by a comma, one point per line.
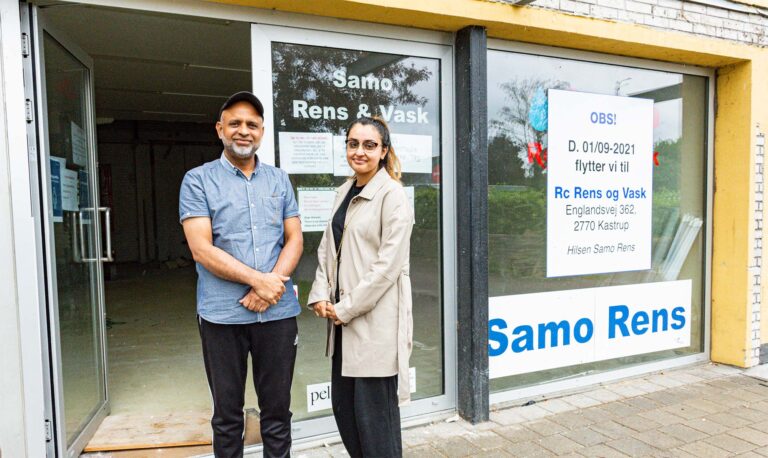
x=363, y=289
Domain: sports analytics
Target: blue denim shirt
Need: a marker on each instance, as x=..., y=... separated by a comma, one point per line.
x=247, y=221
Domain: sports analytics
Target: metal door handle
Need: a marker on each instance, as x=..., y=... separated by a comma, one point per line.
x=82, y=235
x=108, y=227
x=75, y=248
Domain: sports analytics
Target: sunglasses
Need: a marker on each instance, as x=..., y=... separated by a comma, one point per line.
x=368, y=145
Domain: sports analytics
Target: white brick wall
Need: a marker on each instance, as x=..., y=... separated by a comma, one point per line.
x=757, y=252
x=736, y=22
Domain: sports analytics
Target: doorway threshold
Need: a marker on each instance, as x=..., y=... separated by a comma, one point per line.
x=174, y=434
x=135, y=432
x=168, y=452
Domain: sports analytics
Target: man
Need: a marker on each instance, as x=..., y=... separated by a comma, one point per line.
x=240, y=219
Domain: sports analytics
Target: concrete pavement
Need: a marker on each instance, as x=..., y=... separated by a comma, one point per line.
x=705, y=410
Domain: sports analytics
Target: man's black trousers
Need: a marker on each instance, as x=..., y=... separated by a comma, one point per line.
x=272, y=346
x=366, y=411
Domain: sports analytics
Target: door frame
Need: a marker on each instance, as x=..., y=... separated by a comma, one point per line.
x=38, y=340
x=55, y=400
x=26, y=265
x=407, y=40
x=262, y=37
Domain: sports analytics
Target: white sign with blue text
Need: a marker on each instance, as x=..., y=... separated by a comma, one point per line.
x=599, y=183
x=539, y=331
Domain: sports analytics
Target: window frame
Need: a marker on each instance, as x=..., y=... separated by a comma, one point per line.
x=410, y=44
x=579, y=381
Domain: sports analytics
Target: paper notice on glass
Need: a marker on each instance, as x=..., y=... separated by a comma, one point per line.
x=414, y=151
x=315, y=207
x=57, y=164
x=599, y=183
x=306, y=152
x=409, y=191
x=69, y=190
x=79, y=150
x=412, y=378
x=319, y=397
x=85, y=197
x=341, y=167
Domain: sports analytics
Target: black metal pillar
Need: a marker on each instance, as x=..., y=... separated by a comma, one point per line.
x=472, y=222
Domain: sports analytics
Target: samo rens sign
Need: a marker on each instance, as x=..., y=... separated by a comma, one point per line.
x=534, y=332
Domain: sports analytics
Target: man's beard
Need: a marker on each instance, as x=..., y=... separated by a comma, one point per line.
x=240, y=152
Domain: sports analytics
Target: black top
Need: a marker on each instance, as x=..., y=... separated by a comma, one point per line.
x=338, y=226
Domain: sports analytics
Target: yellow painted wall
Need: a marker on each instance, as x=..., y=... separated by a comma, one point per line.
x=525, y=24
x=742, y=102
x=732, y=229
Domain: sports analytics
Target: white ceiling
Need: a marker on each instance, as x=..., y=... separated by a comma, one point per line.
x=157, y=66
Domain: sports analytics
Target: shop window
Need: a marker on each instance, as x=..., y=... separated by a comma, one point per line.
x=316, y=93
x=520, y=110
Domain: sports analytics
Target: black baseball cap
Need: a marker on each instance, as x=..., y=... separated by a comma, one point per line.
x=243, y=96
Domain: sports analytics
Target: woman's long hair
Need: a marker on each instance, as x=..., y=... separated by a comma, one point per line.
x=390, y=161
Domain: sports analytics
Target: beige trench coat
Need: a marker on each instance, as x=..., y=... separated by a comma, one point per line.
x=374, y=282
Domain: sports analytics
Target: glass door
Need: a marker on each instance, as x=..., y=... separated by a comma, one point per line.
x=313, y=84
x=72, y=237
